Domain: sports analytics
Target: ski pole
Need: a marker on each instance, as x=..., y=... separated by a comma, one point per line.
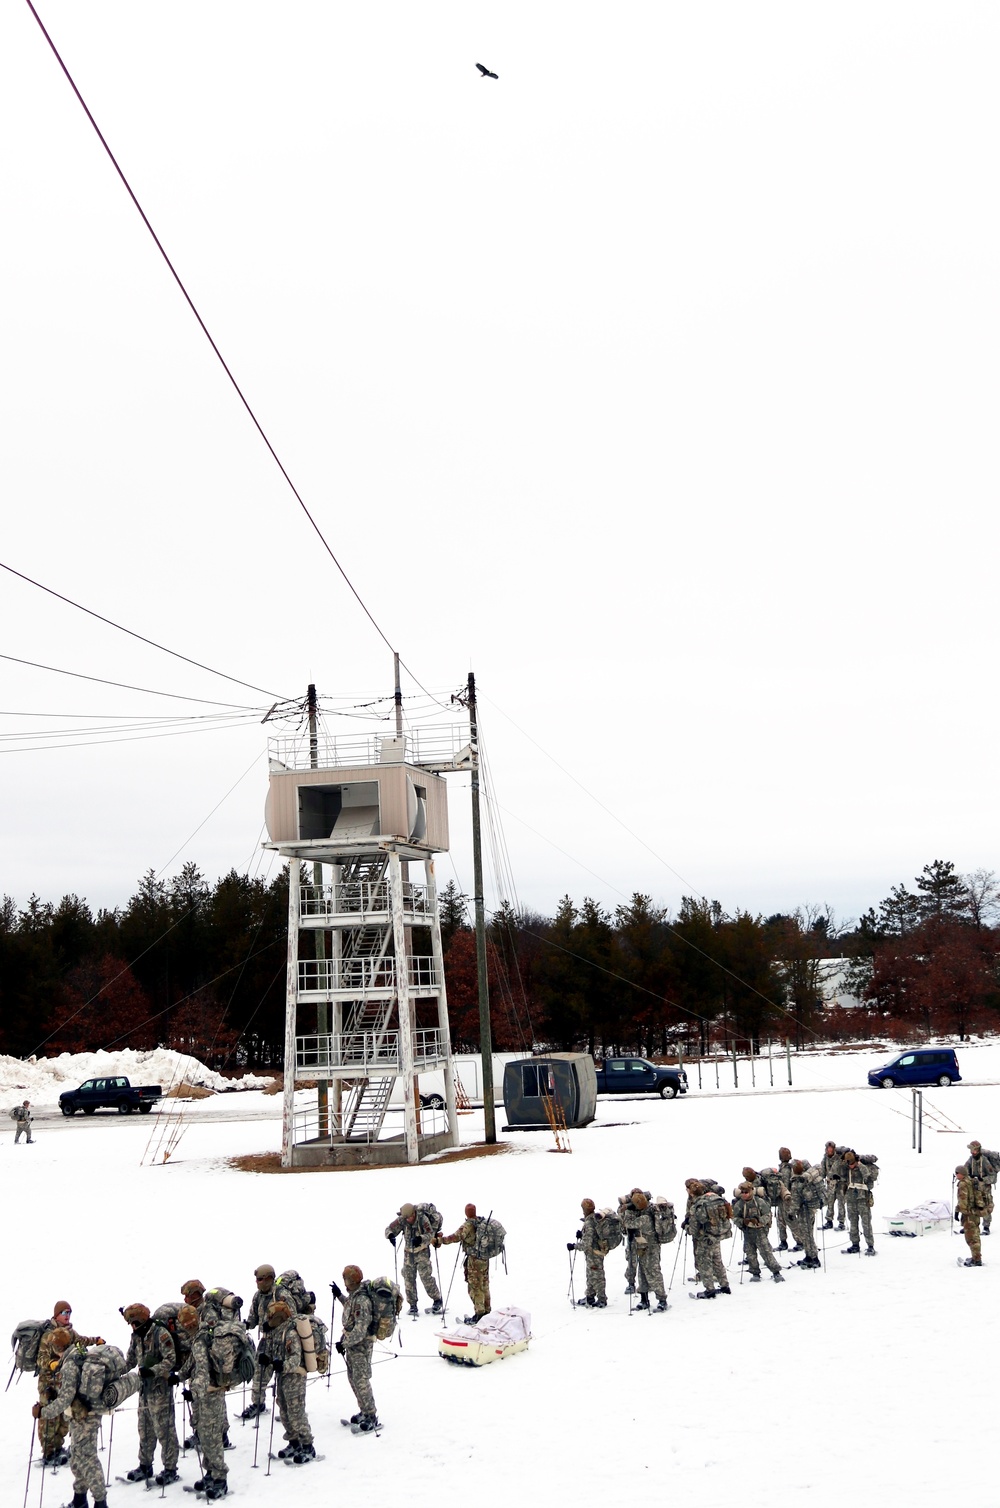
x=194, y=1435
x=10, y=1379
x=571, y=1291
x=444, y=1311
x=31, y=1457
x=822, y=1236
x=111, y=1441
x=270, y=1438
x=437, y=1268
x=672, y=1270
x=743, y=1263
x=256, y=1433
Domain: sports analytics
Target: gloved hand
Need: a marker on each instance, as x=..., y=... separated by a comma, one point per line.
x=36, y=1410
x=337, y=1292
x=146, y=1372
x=186, y=1395
x=278, y=1364
x=684, y=1223
x=339, y=1347
x=100, y=1341
x=392, y=1240
x=570, y=1246
x=579, y=1235
x=173, y=1380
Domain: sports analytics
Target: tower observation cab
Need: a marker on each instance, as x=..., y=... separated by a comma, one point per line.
x=359, y=821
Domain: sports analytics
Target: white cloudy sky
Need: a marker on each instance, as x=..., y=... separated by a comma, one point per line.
x=655, y=381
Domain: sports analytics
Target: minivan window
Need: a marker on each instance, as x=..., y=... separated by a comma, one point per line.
x=907, y=1061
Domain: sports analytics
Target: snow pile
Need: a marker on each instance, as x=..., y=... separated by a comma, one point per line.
x=42, y=1080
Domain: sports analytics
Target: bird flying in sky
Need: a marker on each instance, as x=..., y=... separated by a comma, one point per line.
x=485, y=73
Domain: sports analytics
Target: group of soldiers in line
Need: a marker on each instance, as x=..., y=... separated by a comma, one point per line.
x=196, y=1344
x=793, y=1193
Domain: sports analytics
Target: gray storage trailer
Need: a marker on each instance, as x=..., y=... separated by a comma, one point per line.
x=569, y=1078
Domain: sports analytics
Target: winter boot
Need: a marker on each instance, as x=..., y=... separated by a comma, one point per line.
x=367, y=1423
x=602, y=1303
x=413, y=1311
x=986, y=1230
x=755, y=1277
x=661, y=1304
x=79, y=1500
x=288, y=1451
x=303, y=1454
x=217, y=1489
x=776, y=1277
x=850, y=1251
x=141, y=1473
x=782, y=1246
x=252, y=1410
x=828, y=1225
x=192, y=1442
x=726, y=1289
x=841, y=1225
x=436, y=1307
x=973, y=1262
x=630, y=1288
x=227, y=1444
x=797, y=1247
x=706, y=1293
x=870, y=1252
x=165, y=1477
x=643, y=1302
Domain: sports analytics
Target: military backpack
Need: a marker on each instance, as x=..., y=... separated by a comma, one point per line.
x=431, y=1215
x=386, y=1301
x=607, y=1231
x=773, y=1185
x=231, y=1354
x=870, y=1161
x=102, y=1365
x=664, y=1220
x=25, y=1341
x=718, y=1214
x=489, y=1238
x=290, y=1287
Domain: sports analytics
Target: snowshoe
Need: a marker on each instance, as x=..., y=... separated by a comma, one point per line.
x=368, y=1424
x=602, y=1303
x=218, y=1489
x=643, y=1302
x=755, y=1277
x=661, y=1306
x=782, y=1246
x=435, y=1308
x=850, y=1251
x=413, y=1312
x=354, y=1419
x=705, y=1294
x=828, y=1225
x=871, y=1252
x=139, y=1473
x=973, y=1262
x=287, y=1451
x=166, y=1477
x=585, y=1303
x=304, y=1454
x=726, y=1289
x=630, y=1289
x=192, y=1442
x=776, y=1277
x=252, y=1410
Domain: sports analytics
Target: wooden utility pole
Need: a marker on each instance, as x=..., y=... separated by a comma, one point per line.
x=322, y=1011
x=485, y=1031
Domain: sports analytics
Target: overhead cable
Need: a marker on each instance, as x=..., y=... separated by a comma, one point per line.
x=125, y=686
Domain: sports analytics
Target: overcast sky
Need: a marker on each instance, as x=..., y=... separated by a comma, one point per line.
x=655, y=380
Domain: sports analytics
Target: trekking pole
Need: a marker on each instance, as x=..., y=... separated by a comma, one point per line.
x=822, y=1237
x=10, y=1379
x=270, y=1438
x=571, y=1291
x=444, y=1311
x=194, y=1436
x=437, y=1269
x=31, y=1457
x=743, y=1263
x=256, y=1439
x=111, y=1441
x=674, y=1268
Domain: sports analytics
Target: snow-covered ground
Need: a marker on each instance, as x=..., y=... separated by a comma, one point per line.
x=42, y=1080
x=866, y=1381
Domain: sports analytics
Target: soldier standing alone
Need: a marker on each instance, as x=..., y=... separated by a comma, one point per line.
x=21, y=1116
x=982, y=1169
x=859, y=1202
x=594, y=1251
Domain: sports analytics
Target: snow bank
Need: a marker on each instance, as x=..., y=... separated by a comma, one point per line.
x=42, y=1080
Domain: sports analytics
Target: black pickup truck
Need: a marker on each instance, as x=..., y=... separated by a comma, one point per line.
x=636, y=1076
x=109, y=1094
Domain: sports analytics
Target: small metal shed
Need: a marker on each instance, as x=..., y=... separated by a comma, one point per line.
x=570, y=1079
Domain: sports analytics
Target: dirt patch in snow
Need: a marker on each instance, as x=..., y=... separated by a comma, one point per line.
x=270, y=1162
x=185, y=1091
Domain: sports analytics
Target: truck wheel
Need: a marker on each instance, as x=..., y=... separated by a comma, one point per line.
x=434, y=1102
x=68, y=1109
x=668, y=1092
x=888, y=1083
x=124, y=1108
x=145, y=1109
x=945, y=1081
x=89, y=1109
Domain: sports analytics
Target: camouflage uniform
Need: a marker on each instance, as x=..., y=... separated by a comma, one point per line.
x=52, y=1432
x=970, y=1216
x=418, y=1236
x=84, y=1423
x=753, y=1217
x=859, y=1202
x=831, y=1165
x=22, y=1118
x=284, y=1344
x=476, y=1269
x=648, y=1256
x=262, y=1371
x=707, y=1247
x=983, y=1170
x=807, y=1194
x=358, y=1347
x=210, y=1398
x=153, y=1347
x=594, y=1253
x=780, y=1210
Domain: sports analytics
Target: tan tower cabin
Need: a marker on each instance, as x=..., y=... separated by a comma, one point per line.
x=359, y=821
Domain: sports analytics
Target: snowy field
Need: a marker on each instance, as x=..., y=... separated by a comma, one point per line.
x=859, y=1382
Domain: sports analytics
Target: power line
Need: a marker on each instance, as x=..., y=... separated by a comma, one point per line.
x=131, y=631
x=124, y=686
x=134, y=738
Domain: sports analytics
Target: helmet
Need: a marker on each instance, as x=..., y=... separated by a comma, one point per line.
x=975, y=1146
x=352, y=1276
x=187, y=1315
x=785, y=1153
x=191, y=1287
x=264, y=1273
x=639, y=1200
x=135, y=1314
x=470, y=1212
x=588, y=1206
x=407, y=1211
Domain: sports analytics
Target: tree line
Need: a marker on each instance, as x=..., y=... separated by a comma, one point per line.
x=201, y=968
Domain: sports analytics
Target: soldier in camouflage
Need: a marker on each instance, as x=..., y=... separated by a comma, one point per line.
x=356, y=1345
x=752, y=1216
x=476, y=1269
x=594, y=1251
x=84, y=1422
x=647, y=1250
x=859, y=1202
x=264, y=1276
x=831, y=1166
x=417, y=1230
x=153, y=1351
x=627, y=1216
x=968, y=1209
x=781, y=1209
x=982, y=1167
x=283, y=1346
x=52, y=1432
x=702, y=1216
x=21, y=1116
x=807, y=1192
x=207, y=1395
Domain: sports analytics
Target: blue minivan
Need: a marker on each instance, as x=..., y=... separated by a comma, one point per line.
x=925, y=1065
